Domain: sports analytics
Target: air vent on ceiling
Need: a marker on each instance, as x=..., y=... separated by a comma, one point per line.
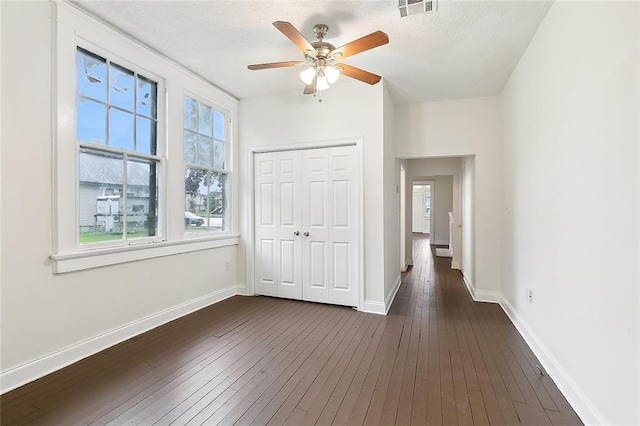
x=413, y=7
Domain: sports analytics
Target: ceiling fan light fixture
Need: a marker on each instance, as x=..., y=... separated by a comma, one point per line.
x=322, y=83
x=308, y=75
x=332, y=72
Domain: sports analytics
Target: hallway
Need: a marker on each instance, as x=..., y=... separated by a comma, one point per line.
x=437, y=358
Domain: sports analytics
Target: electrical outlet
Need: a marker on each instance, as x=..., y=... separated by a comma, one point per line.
x=530, y=295
x=227, y=265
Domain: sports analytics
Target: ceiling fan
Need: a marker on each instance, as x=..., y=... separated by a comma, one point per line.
x=322, y=57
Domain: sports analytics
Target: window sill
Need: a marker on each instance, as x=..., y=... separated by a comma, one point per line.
x=79, y=261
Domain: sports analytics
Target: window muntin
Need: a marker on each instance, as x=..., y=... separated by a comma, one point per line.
x=116, y=133
x=206, y=178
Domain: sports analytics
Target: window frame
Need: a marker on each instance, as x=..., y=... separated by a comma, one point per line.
x=227, y=168
x=160, y=155
x=72, y=28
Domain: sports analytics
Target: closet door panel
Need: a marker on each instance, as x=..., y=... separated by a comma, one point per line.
x=278, y=214
x=342, y=178
x=289, y=221
x=315, y=212
x=266, y=213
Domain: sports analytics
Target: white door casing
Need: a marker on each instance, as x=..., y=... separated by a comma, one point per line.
x=312, y=192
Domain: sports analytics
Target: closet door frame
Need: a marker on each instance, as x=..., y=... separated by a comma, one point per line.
x=249, y=238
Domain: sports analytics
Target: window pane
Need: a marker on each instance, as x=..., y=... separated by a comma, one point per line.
x=218, y=159
x=189, y=145
x=121, y=87
x=91, y=121
x=91, y=75
x=217, y=202
x=205, y=120
x=196, y=190
x=120, y=129
x=145, y=135
x=147, y=103
x=142, y=201
x=190, y=114
x=100, y=195
x=218, y=125
x=205, y=151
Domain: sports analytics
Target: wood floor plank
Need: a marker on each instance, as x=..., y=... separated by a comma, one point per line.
x=350, y=399
x=338, y=398
x=381, y=391
x=281, y=372
x=206, y=392
x=206, y=408
x=333, y=371
x=211, y=366
x=200, y=385
x=437, y=358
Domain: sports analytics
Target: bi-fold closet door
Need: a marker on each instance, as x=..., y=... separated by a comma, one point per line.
x=306, y=225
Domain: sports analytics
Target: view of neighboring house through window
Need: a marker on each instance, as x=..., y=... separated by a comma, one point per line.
x=205, y=178
x=116, y=116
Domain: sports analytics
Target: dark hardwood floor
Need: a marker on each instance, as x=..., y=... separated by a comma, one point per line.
x=437, y=358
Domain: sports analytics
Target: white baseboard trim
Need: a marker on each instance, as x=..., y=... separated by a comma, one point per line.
x=392, y=294
x=373, y=307
x=583, y=407
x=480, y=296
x=241, y=290
x=380, y=308
x=455, y=265
x=32, y=370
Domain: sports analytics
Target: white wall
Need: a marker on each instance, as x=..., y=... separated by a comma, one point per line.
x=391, y=204
x=462, y=128
x=351, y=110
x=570, y=114
x=49, y=320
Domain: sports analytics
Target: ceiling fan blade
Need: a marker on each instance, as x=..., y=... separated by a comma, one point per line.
x=310, y=89
x=275, y=65
x=359, y=74
x=367, y=42
x=296, y=37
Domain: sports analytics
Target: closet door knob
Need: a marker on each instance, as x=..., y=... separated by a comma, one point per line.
x=296, y=233
x=306, y=234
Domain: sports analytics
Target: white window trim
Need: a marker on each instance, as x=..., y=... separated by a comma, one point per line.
x=160, y=150
x=72, y=28
x=227, y=171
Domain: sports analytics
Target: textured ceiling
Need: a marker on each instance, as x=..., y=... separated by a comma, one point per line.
x=464, y=49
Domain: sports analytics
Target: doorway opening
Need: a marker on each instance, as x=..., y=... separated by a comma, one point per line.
x=421, y=207
x=438, y=202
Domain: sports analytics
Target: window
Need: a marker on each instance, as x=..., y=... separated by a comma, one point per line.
x=118, y=196
x=116, y=128
x=205, y=176
x=427, y=200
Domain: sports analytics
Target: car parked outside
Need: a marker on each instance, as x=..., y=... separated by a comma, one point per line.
x=192, y=219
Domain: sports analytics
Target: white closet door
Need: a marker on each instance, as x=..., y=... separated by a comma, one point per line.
x=342, y=241
x=315, y=246
x=313, y=192
x=278, y=269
